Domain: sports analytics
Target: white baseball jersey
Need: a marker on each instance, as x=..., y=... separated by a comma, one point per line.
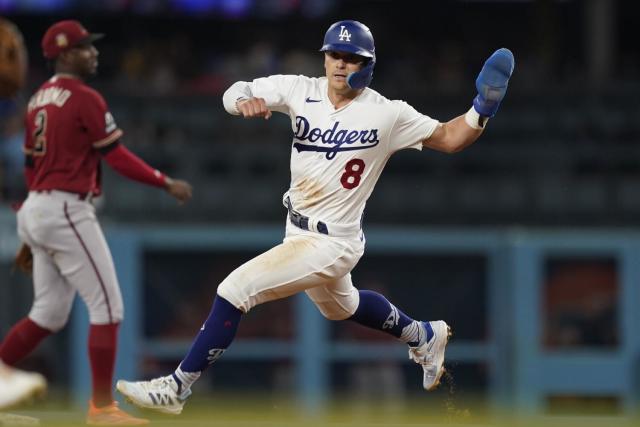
x=336, y=159
x=337, y=154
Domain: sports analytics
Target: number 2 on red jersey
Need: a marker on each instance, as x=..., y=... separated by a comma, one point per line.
x=39, y=133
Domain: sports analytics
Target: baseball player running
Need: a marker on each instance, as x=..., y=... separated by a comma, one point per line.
x=343, y=135
x=69, y=130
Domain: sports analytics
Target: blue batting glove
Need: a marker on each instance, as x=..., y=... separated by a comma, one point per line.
x=492, y=82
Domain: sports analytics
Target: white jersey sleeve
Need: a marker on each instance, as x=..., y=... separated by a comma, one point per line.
x=275, y=90
x=410, y=128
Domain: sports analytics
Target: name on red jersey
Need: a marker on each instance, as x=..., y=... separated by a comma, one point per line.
x=51, y=95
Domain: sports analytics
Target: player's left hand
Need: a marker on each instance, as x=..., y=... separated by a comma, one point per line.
x=23, y=260
x=492, y=82
x=179, y=189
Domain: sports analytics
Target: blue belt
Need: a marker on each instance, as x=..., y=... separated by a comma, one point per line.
x=302, y=221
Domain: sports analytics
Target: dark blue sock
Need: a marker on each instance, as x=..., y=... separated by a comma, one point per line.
x=216, y=335
x=375, y=311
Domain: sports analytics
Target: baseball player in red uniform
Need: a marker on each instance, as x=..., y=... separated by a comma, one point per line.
x=69, y=131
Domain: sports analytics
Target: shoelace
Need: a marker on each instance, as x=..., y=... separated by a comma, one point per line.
x=162, y=382
x=165, y=383
x=425, y=360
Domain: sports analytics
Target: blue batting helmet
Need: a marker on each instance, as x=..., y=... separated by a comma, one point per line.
x=353, y=37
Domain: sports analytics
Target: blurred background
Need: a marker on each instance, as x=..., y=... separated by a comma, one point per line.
x=526, y=242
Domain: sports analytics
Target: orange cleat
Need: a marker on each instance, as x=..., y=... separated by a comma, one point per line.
x=111, y=415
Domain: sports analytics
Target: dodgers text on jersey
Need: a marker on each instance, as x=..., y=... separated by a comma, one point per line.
x=334, y=138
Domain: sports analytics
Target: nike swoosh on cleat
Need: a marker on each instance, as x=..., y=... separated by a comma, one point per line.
x=312, y=100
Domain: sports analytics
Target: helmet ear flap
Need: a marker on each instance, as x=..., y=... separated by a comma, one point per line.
x=361, y=79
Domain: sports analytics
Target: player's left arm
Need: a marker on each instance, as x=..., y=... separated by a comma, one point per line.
x=260, y=97
x=464, y=130
x=133, y=167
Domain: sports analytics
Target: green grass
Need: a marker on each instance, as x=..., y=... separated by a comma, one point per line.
x=265, y=410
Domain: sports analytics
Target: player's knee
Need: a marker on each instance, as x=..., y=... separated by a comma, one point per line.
x=101, y=318
x=105, y=315
x=336, y=306
x=105, y=311
x=333, y=311
x=338, y=310
x=51, y=314
x=231, y=293
x=49, y=319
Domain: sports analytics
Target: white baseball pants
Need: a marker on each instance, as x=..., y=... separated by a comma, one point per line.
x=70, y=254
x=306, y=261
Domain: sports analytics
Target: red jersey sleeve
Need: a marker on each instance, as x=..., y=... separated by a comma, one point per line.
x=97, y=120
x=133, y=167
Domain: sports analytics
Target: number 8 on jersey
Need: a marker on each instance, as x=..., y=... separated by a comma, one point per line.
x=353, y=171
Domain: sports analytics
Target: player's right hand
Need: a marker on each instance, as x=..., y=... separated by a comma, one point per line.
x=492, y=82
x=253, y=107
x=179, y=189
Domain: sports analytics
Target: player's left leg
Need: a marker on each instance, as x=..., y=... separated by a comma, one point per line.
x=87, y=266
x=22, y=339
x=301, y=262
x=376, y=312
x=339, y=300
x=168, y=394
x=426, y=340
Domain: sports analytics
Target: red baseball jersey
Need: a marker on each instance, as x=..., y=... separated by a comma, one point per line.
x=66, y=123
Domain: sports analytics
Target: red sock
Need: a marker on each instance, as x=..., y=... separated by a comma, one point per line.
x=103, y=343
x=21, y=340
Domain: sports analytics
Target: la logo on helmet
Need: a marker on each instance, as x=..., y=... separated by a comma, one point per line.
x=344, y=34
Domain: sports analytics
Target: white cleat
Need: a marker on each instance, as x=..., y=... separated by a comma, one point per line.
x=431, y=354
x=18, y=386
x=160, y=394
